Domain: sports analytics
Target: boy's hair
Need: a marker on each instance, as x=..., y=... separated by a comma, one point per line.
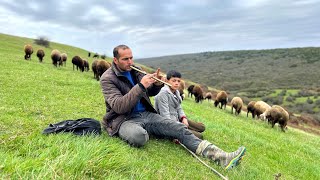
x=173, y=73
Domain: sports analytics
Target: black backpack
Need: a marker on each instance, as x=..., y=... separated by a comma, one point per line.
x=81, y=126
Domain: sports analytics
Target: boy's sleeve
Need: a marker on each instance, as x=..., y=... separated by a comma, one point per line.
x=162, y=105
x=181, y=113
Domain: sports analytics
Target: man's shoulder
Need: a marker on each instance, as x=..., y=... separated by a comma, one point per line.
x=108, y=73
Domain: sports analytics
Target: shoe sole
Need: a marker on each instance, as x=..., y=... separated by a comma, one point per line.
x=235, y=161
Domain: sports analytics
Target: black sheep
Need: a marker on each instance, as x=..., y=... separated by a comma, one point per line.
x=78, y=62
x=190, y=89
x=40, y=54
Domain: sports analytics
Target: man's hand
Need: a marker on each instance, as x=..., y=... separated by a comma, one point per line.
x=147, y=80
x=185, y=122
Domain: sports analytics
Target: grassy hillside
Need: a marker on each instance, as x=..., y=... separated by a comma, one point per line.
x=33, y=95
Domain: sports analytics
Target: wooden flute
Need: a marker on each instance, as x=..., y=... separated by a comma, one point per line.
x=157, y=79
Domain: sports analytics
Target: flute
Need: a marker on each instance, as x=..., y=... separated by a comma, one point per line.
x=157, y=79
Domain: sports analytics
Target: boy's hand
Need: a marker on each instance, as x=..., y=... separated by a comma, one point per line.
x=185, y=122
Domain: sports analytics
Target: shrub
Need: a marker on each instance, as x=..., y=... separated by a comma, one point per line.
x=42, y=41
x=309, y=101
x=290, y=99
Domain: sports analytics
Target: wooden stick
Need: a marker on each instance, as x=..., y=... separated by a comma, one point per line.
x=157, y=79
x=194, y=155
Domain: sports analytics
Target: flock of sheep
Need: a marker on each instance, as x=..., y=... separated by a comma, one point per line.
x=272, y=114
x=98, y=66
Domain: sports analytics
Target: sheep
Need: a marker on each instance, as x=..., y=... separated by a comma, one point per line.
x=64, y=58
x=250, y=108
x=237, y=104
x=96, y=55
x=222, y=97
x=78, y=62
x=190, y=89
x=86, y=65
x=55, y=56
x=102, y=66
x=95, y=70
x=181, y=89
x=28, y=51
x=198, y=93
x=208, y=96
x=259, y=108
x=40, y=54
x=276, y=114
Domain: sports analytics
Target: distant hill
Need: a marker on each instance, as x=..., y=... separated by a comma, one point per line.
x=286, y=77
x=245, y=70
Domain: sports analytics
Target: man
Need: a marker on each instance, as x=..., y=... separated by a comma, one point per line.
x=131, y=116
x=168, y=104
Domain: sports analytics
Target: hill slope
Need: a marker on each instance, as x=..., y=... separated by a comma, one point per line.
x=242, y=70
x=33, y=95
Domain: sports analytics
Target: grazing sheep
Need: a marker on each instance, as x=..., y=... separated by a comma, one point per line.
x=198, y=93
x=250, y=108
x=222, y=97
x=208, y=96
x=102, y=66
x=78, y=62
x=276, y=114
x=28, y=51
x=40, y=54
x=95, y=69
x=86, y=65
x=259, y=108
x=181, y=89
x=190, y=89
x=55, y=56
x=237, y=104
x=64, y=58
x=96, y=55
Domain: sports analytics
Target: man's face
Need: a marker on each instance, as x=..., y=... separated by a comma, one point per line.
x=175, y=83
x=125, y=60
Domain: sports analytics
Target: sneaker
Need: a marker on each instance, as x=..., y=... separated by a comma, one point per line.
x=234, y=158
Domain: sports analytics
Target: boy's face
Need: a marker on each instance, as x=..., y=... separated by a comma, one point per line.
x=175, y=83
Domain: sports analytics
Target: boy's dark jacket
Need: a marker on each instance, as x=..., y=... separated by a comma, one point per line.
x=121, y=97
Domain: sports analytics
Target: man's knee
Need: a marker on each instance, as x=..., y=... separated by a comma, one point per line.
x=138, y=138
x=135, y=136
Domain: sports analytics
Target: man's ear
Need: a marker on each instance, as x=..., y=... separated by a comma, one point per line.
x=115, y=60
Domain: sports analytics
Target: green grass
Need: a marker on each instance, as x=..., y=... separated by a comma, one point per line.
x=33, y=95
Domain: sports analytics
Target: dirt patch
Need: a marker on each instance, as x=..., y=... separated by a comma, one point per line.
x=306, y=123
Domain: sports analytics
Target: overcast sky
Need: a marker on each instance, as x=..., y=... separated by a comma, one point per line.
x=166, y=27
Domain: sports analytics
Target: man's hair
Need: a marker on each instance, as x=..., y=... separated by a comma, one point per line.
x=116, y=50
x=173, y=73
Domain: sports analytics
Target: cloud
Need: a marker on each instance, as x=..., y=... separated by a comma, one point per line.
x=166, y=27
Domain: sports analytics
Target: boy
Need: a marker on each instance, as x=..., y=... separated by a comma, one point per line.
x=168, y=104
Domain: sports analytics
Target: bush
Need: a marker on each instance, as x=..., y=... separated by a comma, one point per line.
x=309, y=101
x=290, y=99
x=42, y=41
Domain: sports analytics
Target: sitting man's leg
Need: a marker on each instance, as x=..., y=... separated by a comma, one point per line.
x=133, y=133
